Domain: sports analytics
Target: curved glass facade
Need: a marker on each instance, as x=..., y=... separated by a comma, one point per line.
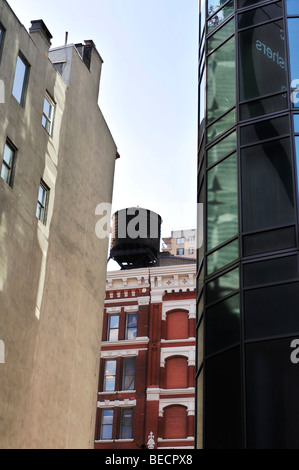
x=248, y=273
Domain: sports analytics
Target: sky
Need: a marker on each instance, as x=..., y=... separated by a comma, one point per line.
x=148, y=93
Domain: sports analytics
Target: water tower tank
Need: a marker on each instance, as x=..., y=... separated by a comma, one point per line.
x=136, y=235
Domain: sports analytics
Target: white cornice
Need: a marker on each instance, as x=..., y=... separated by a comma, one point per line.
x=126, y=342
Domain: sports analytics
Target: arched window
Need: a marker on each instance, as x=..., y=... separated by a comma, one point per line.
x=175, y=422
x=177, y=324
x=176, y=372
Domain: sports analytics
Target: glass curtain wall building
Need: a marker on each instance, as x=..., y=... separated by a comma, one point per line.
x=248, y=277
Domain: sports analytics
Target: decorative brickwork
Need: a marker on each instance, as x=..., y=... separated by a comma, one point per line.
x=149, y=318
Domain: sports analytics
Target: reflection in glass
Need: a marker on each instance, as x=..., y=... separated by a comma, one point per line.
x=260, y=15
x=222, y=148
x=107, y=424
x=131, y=328
x=221, y=125
x=221, y=87
x=223, y=285
x=220, y=258
x=267, y=185
x=262, y=57
x=293, y=26
x=262, y=106
x=221, y=15
x=222, y=202
x=202, y=16
x=202, y=101
x=129, y=373
x=109, y=375
x=223, y=324
x=263, y=130
x=214, y=5
x=126, y=423
x=19, y=80
x=220, y=35
x=113, y=326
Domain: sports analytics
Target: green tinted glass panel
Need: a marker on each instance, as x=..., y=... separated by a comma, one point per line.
x=262, y=60
x=220, y=35
x=220, y=258
x=222, y=148
x=222, y=202
x=221, y=87
x=221, y=15
x=221, y=125
x=223, y=286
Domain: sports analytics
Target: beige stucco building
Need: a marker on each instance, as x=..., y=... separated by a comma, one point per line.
x=57, y=159
x=181, y=243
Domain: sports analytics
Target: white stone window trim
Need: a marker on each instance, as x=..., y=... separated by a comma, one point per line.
x=186, y=351
x=189, y=403
x=126, y=403
x=188, y=305
x=121, y=353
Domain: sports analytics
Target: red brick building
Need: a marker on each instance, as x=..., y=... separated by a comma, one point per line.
x=146, y=396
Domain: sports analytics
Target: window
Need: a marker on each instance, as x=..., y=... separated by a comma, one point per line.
x=107, y=424
x=129, y=374
x=264, y=48
x=191, y=251
x=267, y=185
x=191, y=239
x=20, y=80
x=113, y=326
x=42, y=202
x=222, y=201
x=48, y=114
x=180, y=251
x=2, y=34
x=131, y=326
x=221, y=93
x=109, y=375
x=8, y=163
x=180, y=241
x=59, y=66
x=126, y=423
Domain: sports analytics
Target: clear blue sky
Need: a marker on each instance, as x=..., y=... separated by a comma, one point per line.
x=148, y=93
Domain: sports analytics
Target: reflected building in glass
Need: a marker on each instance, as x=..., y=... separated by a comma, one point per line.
x=248, y=277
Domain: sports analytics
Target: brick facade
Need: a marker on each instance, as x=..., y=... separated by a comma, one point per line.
x=147, y=368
